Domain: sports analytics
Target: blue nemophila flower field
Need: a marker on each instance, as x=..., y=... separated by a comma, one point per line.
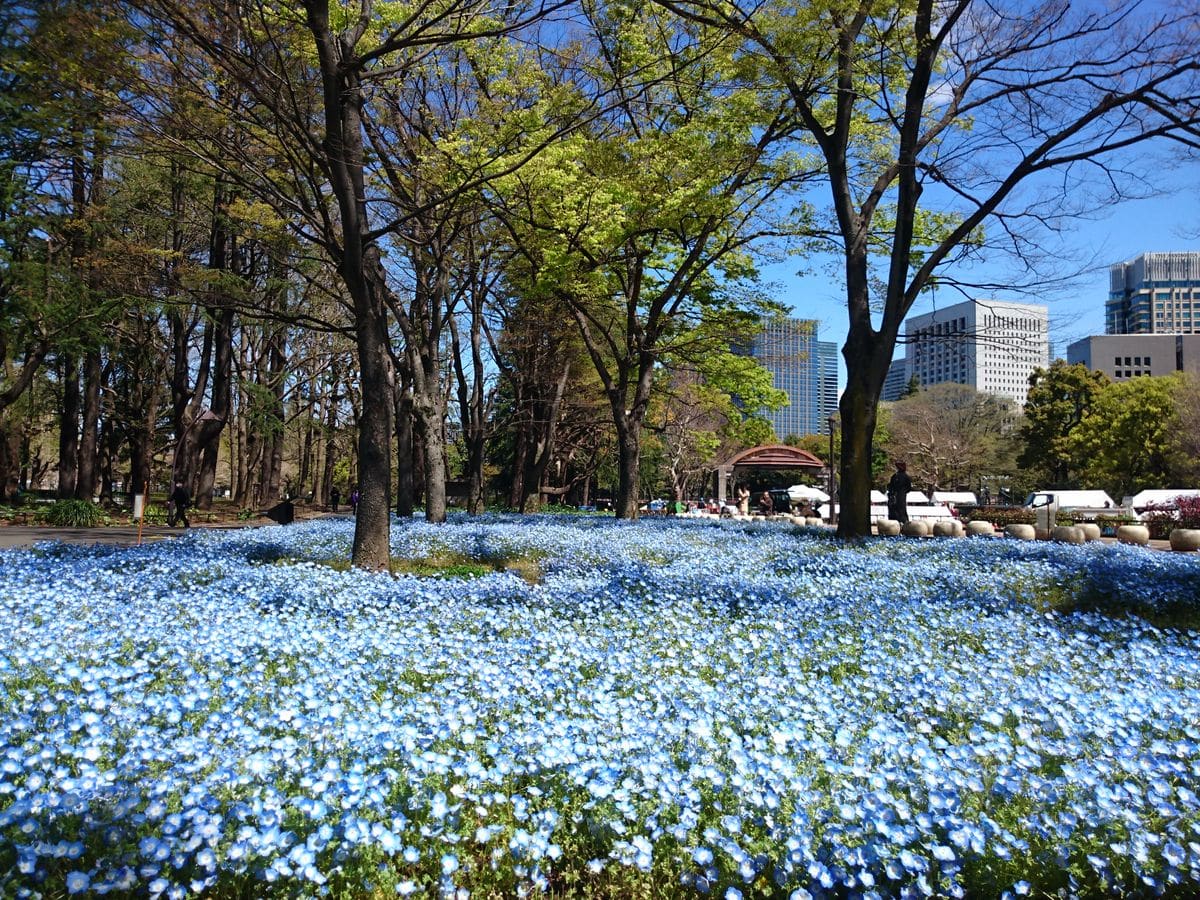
x=671, y=707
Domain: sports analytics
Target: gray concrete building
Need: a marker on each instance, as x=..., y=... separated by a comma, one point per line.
x=1123, y=356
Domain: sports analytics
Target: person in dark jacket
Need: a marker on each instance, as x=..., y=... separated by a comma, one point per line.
x=180, y=498
x=766, y=506
x=897, y=493
x=335, y=497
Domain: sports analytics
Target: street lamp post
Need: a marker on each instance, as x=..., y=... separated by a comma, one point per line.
x=832, y=502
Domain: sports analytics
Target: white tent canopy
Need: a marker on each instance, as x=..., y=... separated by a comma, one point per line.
x=800, y=492
x=878, y=497
x=1160, y=497
x=917, y=497
x=954, y=497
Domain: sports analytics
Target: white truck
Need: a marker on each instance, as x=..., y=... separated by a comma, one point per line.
x=1046, y=506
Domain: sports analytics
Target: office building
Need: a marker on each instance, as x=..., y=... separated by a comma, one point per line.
x=990, y=345
x=805, y=368
x=1124, y=356
x=896, y=382
x=1155, y=293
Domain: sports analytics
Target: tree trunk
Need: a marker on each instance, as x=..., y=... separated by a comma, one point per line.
x=10, y=460
x=629, y=453
x=517, y=495
x=431, y=411
x=404, y=450
x=865, y=353
x=68, y=429
x=85, y=484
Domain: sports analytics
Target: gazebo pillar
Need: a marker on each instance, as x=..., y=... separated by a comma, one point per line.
x=722, y=483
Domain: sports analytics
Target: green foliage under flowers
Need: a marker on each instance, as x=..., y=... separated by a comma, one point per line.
x=74, y=514
x=1001, y=515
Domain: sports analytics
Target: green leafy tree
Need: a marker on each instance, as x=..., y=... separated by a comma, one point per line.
x=641, y=223
x=1130, y=437
x=1059, y=398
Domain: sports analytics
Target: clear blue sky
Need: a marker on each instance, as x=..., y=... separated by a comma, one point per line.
x=1076, y=310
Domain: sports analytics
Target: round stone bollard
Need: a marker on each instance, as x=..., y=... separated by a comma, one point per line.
x=914, y=529
x=1091, y=531
x=1185, y=539
x=980, y=529
x=799, y=520
x=815, y=520
x=1067, y=534
x=888, y=527
x=1133, y=534
x=945, y=529
x=1021, y=531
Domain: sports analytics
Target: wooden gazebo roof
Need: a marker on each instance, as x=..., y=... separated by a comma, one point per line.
x=774, y=456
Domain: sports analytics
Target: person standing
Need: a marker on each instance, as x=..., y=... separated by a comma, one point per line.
x=743, y=500
x=354, y=501
x=335, y=497
x=897, y=493
x=179, y=501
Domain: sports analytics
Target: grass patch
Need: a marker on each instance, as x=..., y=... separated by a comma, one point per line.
x=1082, y=593
x=452, y=565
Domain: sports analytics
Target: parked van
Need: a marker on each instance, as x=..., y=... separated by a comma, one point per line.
x=1046, y=505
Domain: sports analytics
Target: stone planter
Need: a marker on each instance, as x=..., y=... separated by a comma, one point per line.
x=945, y=529
x=888, y=527
x=1133, y=534
x=1020, y=531
x=1185, y=539
x=1067, y=534
x=980, y=529
x=1091, y=531
x=914, y=529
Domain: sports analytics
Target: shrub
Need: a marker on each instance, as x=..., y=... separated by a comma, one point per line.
x=74, y=514
x=155, y=514
x=1182, y=512
x=1110, y=524
x=1000, y=515
x=1189, y=511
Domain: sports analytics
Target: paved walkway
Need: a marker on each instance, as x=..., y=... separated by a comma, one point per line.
x=14, y=536
x=121, y=535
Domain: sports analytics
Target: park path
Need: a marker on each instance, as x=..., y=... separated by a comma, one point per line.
x=23, y=536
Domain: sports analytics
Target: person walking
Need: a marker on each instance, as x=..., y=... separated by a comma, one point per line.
x=897, y=493
x=335, y=497
x=178, y=503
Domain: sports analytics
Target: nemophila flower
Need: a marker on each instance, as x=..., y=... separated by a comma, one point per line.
x=662, y=686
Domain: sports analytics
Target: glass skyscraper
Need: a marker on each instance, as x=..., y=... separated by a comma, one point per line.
x=805, y=368
x=1155, y=293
